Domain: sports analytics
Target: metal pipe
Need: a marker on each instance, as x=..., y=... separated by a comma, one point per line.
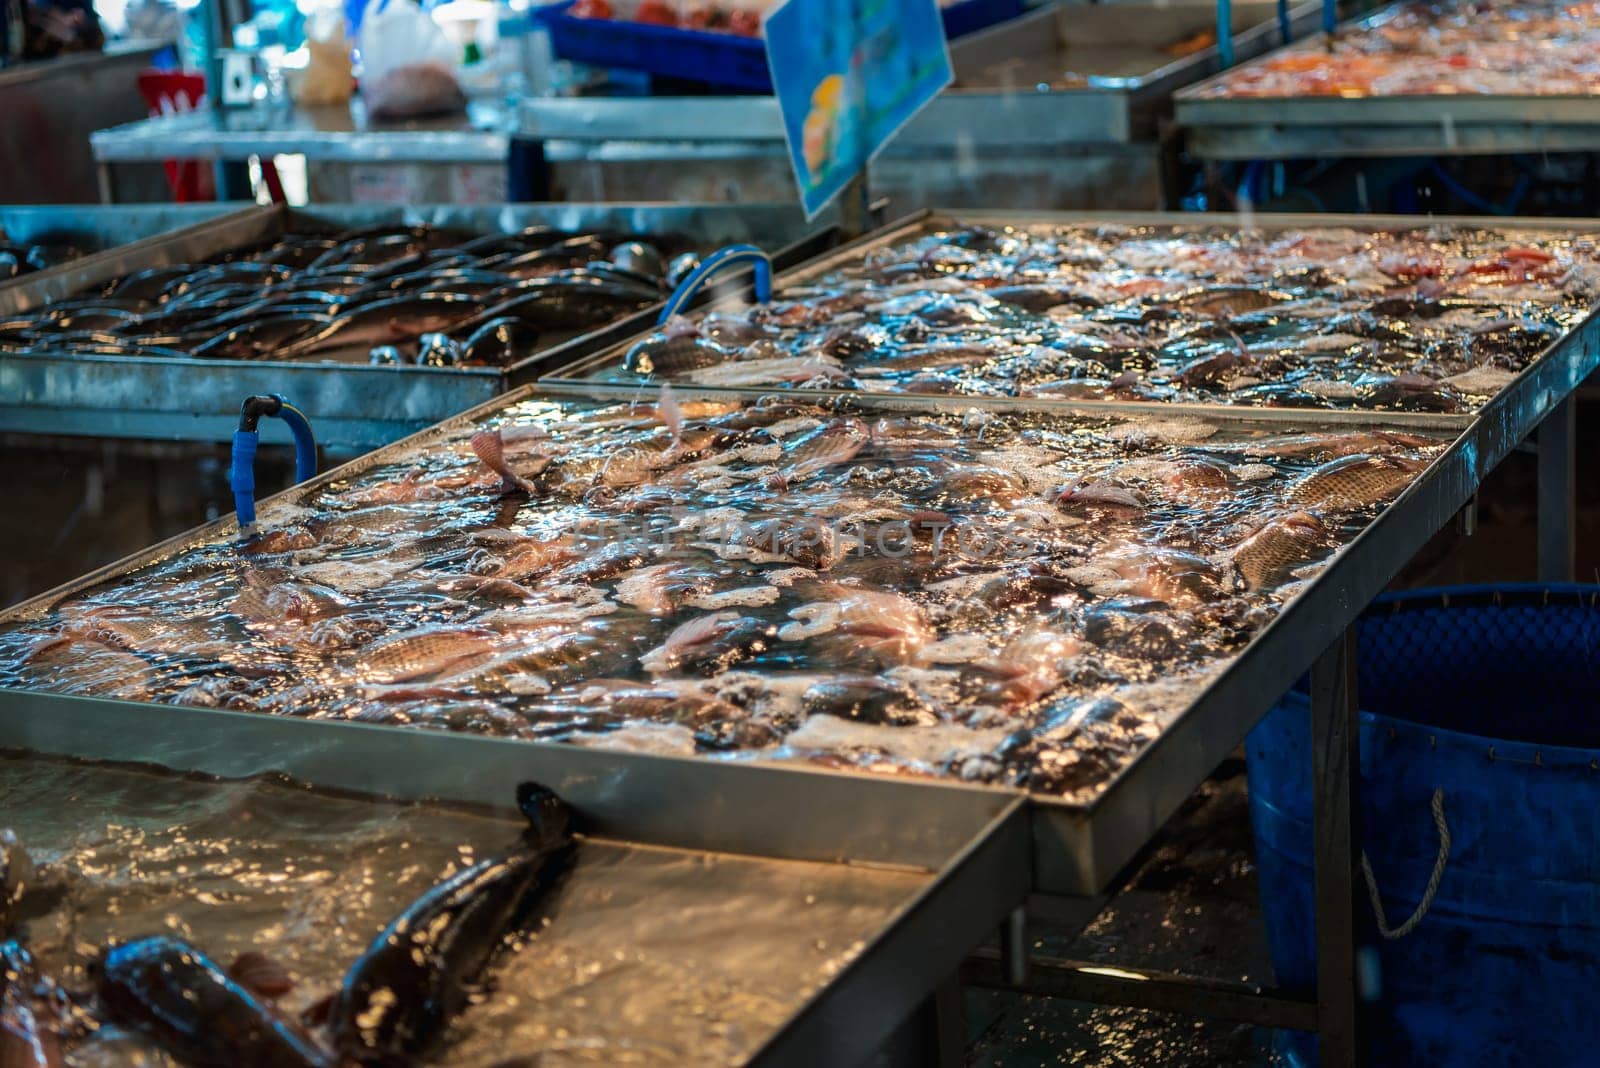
x=1225, y=32
x=1099, y=983
x=1014, y=946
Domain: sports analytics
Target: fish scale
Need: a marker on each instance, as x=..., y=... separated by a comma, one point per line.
x=1356, y=481
x=424, y=653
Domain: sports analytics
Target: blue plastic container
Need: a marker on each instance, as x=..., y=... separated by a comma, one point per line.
x=721, y=59
x=1492, y=695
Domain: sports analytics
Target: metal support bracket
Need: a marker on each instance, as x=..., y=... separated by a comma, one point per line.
x=1336, y=771
x=1099, y=983
x=1557, y=438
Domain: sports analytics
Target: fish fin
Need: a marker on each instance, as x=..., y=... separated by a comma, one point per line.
x=549, y=817
x=261, y=974
x=319, y=1011
x=671, y=414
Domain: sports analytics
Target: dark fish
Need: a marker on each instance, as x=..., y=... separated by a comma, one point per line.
x=260, y=973
x=438, y=350
x=561, y=255
x=1042, y=296
x=682, y=265
x=671, y=354
x=639, y=257
x=383, y=323
x=709, y=644
x=499, y=343
x=415, y=977
x=1142, y=630
x=566, y=303
x=868, y=699
x=1407, y=392
x=174, y=994
x=526, y=240
x=262, y=339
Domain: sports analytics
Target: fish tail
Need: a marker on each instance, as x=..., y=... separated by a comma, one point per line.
x=549, y=817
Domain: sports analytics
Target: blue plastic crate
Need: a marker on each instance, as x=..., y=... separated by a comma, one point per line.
x=721, y=59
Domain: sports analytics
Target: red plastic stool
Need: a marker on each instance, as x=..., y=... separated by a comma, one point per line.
x=168, y=92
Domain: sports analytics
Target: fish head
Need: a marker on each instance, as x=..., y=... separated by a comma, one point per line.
x=549, y=817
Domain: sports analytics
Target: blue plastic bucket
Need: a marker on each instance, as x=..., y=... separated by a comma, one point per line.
x=1492, y=696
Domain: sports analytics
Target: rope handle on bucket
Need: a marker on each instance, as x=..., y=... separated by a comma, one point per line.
x=1395, y=933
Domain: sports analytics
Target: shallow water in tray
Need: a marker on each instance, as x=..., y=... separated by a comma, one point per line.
x=1428, y=319
x=648, y=956
x=1021, y=599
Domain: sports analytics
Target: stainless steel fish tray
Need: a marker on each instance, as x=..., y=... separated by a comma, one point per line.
x=915, y=876
x=1298, y=127
x=95, y=229
x=1556, y=371
x=349, y=405
x=1078, y=847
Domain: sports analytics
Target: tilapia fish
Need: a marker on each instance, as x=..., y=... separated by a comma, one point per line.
x=1353, y=482
x=1316, y=317
x=416, y=976
x=715, y=576
x=1269, y=555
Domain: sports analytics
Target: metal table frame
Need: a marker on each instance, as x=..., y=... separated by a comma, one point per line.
x=1266, y=128
x=1076, y=855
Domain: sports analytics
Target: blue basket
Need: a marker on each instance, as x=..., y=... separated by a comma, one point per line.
x=721, y=59
x=1492, y=696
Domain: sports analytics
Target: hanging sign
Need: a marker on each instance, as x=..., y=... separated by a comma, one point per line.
x=848, y=74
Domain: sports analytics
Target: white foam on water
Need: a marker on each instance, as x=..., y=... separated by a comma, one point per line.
x=928, y=745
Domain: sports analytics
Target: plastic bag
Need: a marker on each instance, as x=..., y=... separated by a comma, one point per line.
x=408, y=65
x=327, y=78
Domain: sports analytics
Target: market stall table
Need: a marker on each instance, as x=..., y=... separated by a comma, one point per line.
x=1412, y=80
x=473, y=144
x=1058, y=107
x=1080, y=839
x=46, y=387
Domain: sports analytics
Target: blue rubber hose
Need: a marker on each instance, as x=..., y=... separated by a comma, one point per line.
x=242, y=476
x=723, y=257
x=242, y=473
x=1330, y=16
x=305, y=446
x=1285, y=29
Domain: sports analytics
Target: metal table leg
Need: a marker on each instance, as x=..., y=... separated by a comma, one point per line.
x=1336, y=770
x=108, y=189
x=1557, y=437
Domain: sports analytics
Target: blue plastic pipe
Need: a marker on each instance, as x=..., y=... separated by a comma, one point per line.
x=242, y=473
x=1284, y=28
x=1330, y=15
x=723, y=257
x=1225, y=32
